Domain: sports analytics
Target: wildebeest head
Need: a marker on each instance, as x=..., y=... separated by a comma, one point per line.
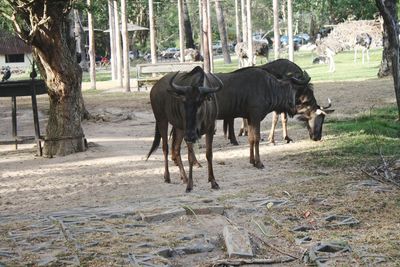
x=306, y=105
x=311, y=113
x=193, y=97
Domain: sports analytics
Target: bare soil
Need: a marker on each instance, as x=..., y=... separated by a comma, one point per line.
x=109, y=206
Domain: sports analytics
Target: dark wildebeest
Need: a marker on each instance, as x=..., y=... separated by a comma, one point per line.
x=252, y=93
x=260, y=49
x=190, y=55
x=191, y=108
x=364, y=41
x=284, y=69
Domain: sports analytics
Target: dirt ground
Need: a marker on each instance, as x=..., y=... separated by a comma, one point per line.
x=108, y=206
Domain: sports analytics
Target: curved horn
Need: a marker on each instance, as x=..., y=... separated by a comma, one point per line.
x=303, y=81
x=206, y=90
x=180, y=89
x=329, y=104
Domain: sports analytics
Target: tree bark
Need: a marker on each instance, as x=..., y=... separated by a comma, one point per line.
x=54, y=50
x=250, y=52
x=181, y=31
x=385, y=69
x=222, y=32
x=244, y=20
x=80, y=40
x=188, y=26
x=153, y=49
x=276, y=28
x=290, y=29
x=113, y=54
x=118, y=47
x=92, y=47
x=388, y=11
x=125, y=46
x=237, y=22
x=205, y=36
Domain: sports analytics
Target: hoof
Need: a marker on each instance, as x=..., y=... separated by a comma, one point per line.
x=197, y=164
x=215, y=186
x=234, y=142
x=188, y=190
x=288, y=139
x=259, y=165
x=168, y=181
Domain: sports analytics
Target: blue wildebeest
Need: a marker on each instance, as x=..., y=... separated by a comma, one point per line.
x=364, y=41
x=284, y=69
x=182, y=100
x=252, y=93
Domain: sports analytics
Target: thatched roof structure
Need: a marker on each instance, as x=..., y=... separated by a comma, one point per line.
x=11, y=44
x=344, y=34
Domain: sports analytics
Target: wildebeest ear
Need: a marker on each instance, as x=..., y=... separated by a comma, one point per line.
x=176, y=93
x=328, y=111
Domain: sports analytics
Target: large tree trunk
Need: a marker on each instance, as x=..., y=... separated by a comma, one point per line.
x=153, y=49
x=388, y=11
x=54, y=49
x=92, y=47
x=118, y=46
x=188, y=26
x=222, y=32
x=125, y=46
x=63, y=76
x=385, y=69
x=206, y=36
x=113, y=54
x=276, y=28
x=80, y=40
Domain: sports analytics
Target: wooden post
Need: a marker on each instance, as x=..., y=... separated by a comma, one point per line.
x=277, y=43
x=113, y=52
x=118, y=44
x=210, y=36
x=244, y=20
x=205, y=34
x=237, y=20
x=153, y=50
x=290, y=29
x=92, y=51
x=181, y=32
x=249, y=34
x=125, y=46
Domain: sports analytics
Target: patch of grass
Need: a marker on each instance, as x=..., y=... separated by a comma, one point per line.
x=361, y=139
x=346, y=69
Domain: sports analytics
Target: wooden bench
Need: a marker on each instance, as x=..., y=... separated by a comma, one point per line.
x=151, y=73
x=30, y=88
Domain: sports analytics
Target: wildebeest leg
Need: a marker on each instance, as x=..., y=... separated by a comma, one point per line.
x=355, y=53
x=176, y=148
x=209, y=156
x=244, y=128
x=254, y=140
x=271, y=137
x=163, y=126
x=191, y=158
x=284, y=128
x=229, y=123
x=173, y=144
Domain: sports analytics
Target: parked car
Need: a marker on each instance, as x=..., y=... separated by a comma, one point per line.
x=169, y=52
x=298, y=39
x=217, y=47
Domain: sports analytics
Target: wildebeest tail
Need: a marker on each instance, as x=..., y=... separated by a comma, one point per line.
x=156, y=142
x=225, y=127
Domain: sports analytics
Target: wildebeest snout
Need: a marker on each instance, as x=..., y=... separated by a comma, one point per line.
x=192, y=136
